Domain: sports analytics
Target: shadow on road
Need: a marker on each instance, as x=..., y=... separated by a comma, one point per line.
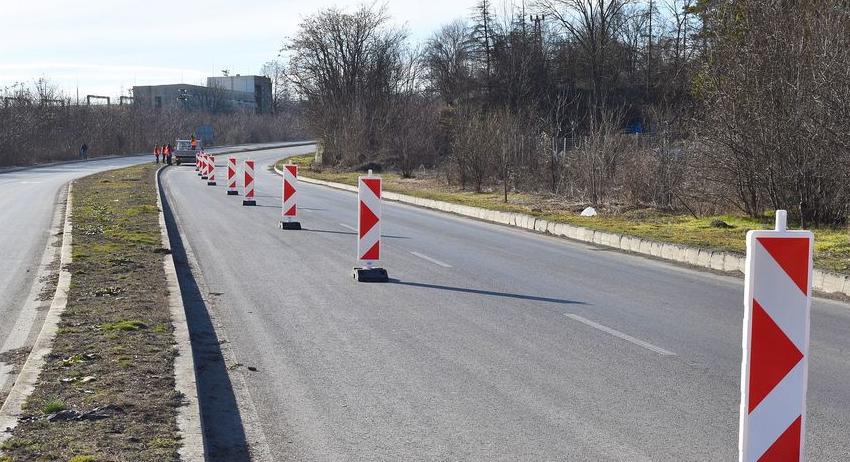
x=224, y=434
x=534, y=298
x=347, y=233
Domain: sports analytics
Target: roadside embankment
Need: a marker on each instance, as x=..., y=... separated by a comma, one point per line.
x=679, y=238
x=107, y=389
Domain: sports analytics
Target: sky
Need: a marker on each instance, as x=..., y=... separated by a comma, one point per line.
x=105, y=47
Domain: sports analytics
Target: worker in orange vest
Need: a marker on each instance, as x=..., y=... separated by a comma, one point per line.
x=156, y=152
x=194, y=142
x=168, y=152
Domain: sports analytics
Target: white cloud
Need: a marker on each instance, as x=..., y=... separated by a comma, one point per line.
x=104, y=45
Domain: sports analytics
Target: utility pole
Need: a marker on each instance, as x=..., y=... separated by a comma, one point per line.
x=649, y=53
x=538, y=28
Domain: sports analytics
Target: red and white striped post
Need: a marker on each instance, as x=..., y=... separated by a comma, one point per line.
x=205, y=167
x=369, y=229
x=231, y=176
x=211, y=173
x=248, y=185
x=775, y=365
x=198, y=161
x=290, y=206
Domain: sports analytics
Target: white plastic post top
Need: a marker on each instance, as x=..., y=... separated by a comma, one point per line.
x=370, y=172
x=781, y=220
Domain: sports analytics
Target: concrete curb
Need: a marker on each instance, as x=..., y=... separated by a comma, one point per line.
x=824, y=281
x=193, y=447
x=289, y=144
x=28, y=377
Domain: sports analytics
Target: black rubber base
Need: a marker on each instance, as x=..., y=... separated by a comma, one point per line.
x=293, y=225
x=371, y=275
x=210, y=183
x=251, y=202
x=232, y=193
x=204, y=177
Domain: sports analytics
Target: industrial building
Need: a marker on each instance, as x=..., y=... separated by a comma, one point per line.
x=222, y=94
x=258, y=86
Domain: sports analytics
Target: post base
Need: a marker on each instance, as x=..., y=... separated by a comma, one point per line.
x=293, y=225
x=249, y=202
x=210, y=183
x=204, y=177
x=232, y=193
x=370, y=275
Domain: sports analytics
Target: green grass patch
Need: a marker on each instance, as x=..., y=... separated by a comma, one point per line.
x=164, y=443
x=82, y=459
x=53, y=406
x=134, y=237
x=16, y=443
x=125, y=325
x=832, y=245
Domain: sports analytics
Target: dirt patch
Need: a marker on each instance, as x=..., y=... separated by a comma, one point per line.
x=16, y=357
x=107, y=389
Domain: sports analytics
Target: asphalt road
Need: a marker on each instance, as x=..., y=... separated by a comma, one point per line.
x=28, y=206
x=489, y=344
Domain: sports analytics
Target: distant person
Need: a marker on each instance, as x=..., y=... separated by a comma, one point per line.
x=84, y=151
x=168, y=151
x=156, y=152
x=194, y=142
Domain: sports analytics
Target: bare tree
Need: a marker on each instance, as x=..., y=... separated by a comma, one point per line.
x=594, y=25
x=448, y=59
x=776, y=88
x=349, y=66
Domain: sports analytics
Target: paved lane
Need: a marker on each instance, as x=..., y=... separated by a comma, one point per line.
x=490, y=343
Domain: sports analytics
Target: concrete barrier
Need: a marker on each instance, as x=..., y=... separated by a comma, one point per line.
x=833, y=282
x=717, y=261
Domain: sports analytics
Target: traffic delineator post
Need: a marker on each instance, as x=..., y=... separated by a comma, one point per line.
x=248, y=184
x=369, y=230
x=211, y=173
x=231, y=176
x=774, y=368
x=289, y=211
x=198, y=161
x=205, y=166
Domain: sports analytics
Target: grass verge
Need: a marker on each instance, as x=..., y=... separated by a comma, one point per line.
x=107, y=389
x=832, y=245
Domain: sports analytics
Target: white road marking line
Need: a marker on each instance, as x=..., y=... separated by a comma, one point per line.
x=621, y=335
x=432, y=260
x=348, y=227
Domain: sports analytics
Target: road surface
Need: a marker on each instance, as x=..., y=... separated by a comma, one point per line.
x=28, y=208
x=490, y=343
